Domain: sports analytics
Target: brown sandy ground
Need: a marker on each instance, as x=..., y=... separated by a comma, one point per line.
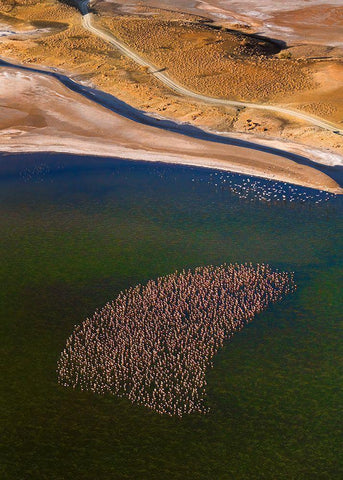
x=40, y=114
x=216, y=62
x=230, y=64
x=316, y=21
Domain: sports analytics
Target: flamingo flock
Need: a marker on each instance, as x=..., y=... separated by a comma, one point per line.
x=272, y=192
x=154, y=343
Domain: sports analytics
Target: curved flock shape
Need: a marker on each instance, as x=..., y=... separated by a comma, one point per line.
x=153, y=344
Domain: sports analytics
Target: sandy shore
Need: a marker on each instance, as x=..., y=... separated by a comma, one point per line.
x=49, y=117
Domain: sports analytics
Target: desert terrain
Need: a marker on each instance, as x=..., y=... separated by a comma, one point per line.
x=30, y=122
x=231, y=60
x=314, y=21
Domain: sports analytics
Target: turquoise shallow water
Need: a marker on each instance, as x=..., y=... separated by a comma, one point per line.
x=77, y=230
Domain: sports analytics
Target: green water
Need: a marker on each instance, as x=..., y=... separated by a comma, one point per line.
x=74, y=232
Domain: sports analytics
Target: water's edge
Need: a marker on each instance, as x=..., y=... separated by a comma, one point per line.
x=119, y=107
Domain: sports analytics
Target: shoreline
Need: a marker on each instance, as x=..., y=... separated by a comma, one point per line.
x=101, y=150
x=72, y=118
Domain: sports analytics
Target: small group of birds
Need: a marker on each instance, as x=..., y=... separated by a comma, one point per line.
x=269, y=191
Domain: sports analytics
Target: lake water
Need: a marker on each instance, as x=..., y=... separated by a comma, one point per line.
x=77, y=230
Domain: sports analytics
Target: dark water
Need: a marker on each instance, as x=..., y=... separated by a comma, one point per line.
x=77, y=230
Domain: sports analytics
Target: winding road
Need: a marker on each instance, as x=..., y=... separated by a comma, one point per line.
x=88, y=23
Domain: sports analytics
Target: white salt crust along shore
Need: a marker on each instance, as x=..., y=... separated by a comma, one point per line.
x=39, y=114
